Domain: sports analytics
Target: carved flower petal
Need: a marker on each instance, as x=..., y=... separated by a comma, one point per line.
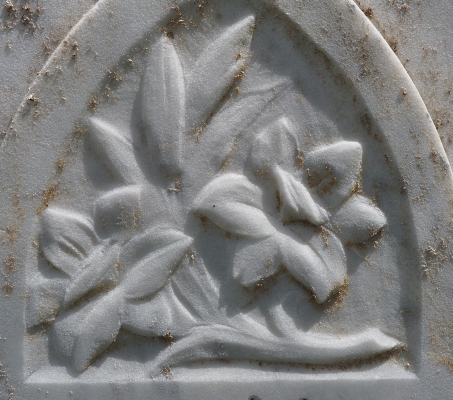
x=157, y=317
x=357, y=220
x=255, y=260
x=81, y=334
x=215, y=70
x=230, y=187
x=164, y=103
x=333, y=170
x=297, y=202
x=114, y=150
x=66, y=238
x=150, y=259
x=318, y=262
x=234, y=204
x=118, y=211
x=276, y=145
x=97, y=330
x=102, y=261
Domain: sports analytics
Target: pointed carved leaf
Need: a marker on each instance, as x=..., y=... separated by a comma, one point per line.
x=216, y=68
x=255, y=260
x=102, y=261
x=97, y=330
x=234, y=204
x=333, y=170
x=115, y=151
x=66, y=238
x=44, y=300
x=216, y=144
x=164, y=104
x=118, y=212
x=150, y=259
x=357, y=220
x=297, y=202
x=317, y=262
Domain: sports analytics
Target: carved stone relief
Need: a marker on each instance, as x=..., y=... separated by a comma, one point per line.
x=220, y=194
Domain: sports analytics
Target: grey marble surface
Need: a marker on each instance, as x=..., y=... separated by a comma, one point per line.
x=225, y=195
x=27, y=39
x=420, y=33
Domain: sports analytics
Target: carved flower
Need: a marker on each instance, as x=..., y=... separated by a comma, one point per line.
x=129, y=260
x=134, y=238
x=318, y=208
x=107, y=256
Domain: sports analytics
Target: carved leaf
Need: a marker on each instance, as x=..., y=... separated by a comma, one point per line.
x=297, y=202
x=66, y=238
x=276, y=145
x=164, y=104
x=97, y=330
x=44, y=300
x=333, y=170
x=216, y=144
x=118, y=212
x=319, y=263
x=234, y=204
x=158, y=252
x=255, y=260
x=216, y=68
x=102, y=261
x=114, y=150
x=357, y=220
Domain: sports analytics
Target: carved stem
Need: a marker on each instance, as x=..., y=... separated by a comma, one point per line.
x=220, y=342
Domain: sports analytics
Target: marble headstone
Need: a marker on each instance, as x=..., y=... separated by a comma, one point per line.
x=225, y=200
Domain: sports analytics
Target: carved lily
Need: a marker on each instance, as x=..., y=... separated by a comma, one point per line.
x=305, y=229
x=105, y=256
x=126, y=265
x=118, y=253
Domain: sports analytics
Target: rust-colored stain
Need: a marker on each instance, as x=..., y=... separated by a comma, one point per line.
x=47, y=196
